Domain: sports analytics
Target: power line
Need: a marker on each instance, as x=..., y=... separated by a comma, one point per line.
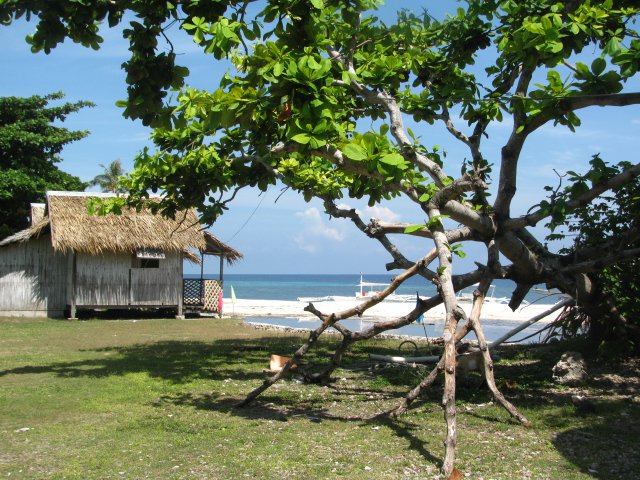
x=263, y=196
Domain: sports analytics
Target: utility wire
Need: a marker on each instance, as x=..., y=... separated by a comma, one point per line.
x=250, y=217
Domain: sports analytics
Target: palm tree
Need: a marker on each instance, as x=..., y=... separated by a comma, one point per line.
x=109, y=180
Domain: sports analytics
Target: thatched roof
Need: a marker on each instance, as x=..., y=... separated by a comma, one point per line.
x=216, y=247
x=73, y=229
x=32, y=232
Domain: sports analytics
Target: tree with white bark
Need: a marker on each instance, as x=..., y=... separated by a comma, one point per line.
x=320, y=101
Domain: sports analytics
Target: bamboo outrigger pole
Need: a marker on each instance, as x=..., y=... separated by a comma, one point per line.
x=531, y=321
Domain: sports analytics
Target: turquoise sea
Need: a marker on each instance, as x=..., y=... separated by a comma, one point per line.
x=290, y=287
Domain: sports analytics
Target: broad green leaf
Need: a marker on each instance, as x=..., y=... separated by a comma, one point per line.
x=312, y=64
x=613, y=47
x=393, y=159
x=354, y=152
x=598, y=66
x=316, y=142
x=278, y=68
x=302, y=138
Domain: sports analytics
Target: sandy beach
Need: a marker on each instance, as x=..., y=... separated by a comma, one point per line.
x=384, y=310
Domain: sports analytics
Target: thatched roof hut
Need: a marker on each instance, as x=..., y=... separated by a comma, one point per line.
x=96, y=254
x=73, y=229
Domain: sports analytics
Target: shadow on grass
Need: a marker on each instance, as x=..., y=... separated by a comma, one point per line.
x=283, y=409
x=602, y=446
x=607, y=447
x=182, y=361
x=174, y=361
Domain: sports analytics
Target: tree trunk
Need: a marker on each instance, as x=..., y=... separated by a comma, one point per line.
x=453, y=314
x=474, y=320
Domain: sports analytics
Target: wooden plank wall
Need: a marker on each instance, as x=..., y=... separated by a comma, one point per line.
x=158, y=286
x=102, y=279
x=111, y=280
x=33, y=278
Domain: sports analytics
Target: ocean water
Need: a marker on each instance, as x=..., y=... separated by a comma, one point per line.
x=291, y=287
x=493, y=329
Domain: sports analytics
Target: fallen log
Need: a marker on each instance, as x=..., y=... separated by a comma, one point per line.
x=393, y=359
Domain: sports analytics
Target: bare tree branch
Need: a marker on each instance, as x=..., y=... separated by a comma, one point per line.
x=376, y=227
x=511, y=150
x=580, y=101
x=600, y=263
x=533, y=218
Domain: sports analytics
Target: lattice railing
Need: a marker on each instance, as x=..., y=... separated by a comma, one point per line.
x=212, y=296
x=206, y=294
x=192, y=291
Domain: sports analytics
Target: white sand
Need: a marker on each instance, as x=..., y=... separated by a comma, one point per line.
x=384, y=310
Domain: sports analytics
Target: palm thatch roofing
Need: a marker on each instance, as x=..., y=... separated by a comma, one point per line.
x=33, y=231
x=217, y=247
x=72, y=228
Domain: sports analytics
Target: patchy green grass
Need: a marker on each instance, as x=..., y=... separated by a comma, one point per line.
x=155, y=399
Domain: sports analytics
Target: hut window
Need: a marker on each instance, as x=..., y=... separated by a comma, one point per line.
x=149, y=263
x=147, y=258
x=145, y=262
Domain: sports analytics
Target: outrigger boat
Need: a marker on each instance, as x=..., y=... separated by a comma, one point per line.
x=376, y=288
x=366, y=291
x=373, y=288
x=466, y=296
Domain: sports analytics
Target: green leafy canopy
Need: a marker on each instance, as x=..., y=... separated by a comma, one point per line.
x=30, y=147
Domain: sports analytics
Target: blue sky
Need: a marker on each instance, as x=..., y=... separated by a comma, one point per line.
x=287, y=236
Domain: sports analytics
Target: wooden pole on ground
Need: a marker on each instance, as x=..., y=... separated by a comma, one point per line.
x=531, y=321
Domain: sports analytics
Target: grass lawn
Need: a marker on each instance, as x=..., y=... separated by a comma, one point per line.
x=155, y=399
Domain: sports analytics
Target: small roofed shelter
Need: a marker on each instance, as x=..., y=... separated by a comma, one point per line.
x=69, y=260
x=204, y=294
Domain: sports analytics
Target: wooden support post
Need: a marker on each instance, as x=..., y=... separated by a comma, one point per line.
x=221, y=284
x=180, y=314
x=201, y=300
x=72, y=304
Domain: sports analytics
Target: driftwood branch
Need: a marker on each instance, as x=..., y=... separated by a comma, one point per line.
x=453, y=314
x=297, y=356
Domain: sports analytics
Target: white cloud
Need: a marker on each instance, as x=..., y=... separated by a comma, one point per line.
x=303, y=244
x=314, y=231
x=382, y=213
